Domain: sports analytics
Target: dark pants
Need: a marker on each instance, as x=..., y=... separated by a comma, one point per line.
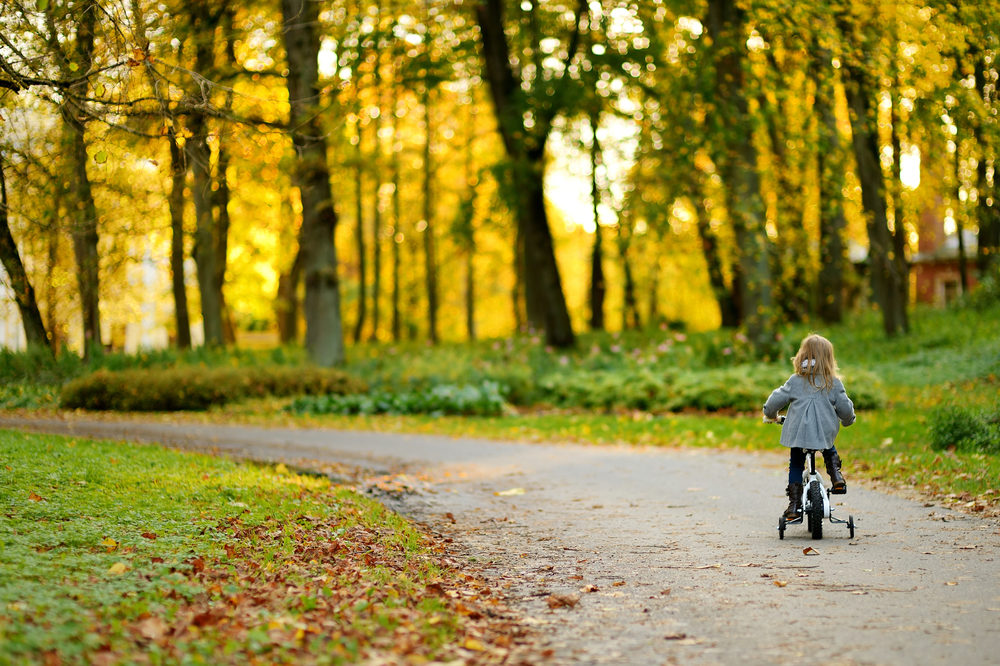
x=797, y=463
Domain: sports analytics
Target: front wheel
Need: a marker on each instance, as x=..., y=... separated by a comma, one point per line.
x=815, y=495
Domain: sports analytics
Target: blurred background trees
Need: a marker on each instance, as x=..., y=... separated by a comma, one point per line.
x=213, y=173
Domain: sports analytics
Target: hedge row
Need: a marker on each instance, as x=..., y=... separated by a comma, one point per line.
x=740, y=388
x=485, y=399
x=198, y=388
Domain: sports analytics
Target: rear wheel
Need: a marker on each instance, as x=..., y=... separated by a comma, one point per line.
x=815, y=495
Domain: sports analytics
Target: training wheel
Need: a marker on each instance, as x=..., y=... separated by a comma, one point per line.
x=781, y=527
x=850, y=525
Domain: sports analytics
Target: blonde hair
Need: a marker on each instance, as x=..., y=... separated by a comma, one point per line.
x=815, y=361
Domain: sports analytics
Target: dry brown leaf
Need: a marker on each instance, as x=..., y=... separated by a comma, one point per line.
x=563, y=600
x=780, y=583
x=810, y=551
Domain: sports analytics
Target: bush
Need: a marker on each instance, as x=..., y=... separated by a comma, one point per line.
x=965, y=429
x=198, y=388
x=485, y=399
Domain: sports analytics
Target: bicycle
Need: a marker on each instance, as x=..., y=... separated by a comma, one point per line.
x=816, y=504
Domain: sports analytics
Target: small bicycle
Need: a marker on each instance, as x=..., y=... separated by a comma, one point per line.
x=816, y=504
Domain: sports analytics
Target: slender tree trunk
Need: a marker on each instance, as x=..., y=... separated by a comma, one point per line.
x=630, y=307
x=221, y=244
x=178, y=172
x=597, y=286
x=359, y=232
x=324, y=334
x=728, y=311
x=287, y=307
x=726, y=25
x=396, y=237
x=888, y=286
x=963, y=264
x=377, y=231
x=49, y=289
x=24, y=294
x=467, y=221
x=830, y=283
x=84, y=216
x=430, y=261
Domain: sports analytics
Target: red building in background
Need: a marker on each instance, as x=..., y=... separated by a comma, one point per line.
x=935, y=267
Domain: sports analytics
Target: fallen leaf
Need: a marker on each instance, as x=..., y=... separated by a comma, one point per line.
x=619, y=583
x=511, y=491
x=110, y=544
x=780, y=583
x=149, y=535
x=589, y=588
x=810, y=551
x=676, y=637
x=118, y=568
x=562, y=600
x=473, y=644
x=35, y=498
x=152, y=628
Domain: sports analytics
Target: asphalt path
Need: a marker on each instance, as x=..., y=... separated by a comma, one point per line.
x=623, y=555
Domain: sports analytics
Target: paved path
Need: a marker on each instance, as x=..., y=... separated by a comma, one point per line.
x=673, y=554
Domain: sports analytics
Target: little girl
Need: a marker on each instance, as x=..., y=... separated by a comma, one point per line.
x=817, y=405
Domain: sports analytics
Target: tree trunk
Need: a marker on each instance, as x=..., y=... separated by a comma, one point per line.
x=430, y=261
x=287, y=306
x=376, y=160
x=324, y=334
x=963, y=264
x=84, y=216
x=597, y=286
x=221, y=240
x=889, y=288
x=396, y=240
x=526, y=150
x=726, y=25
x=728, y=311
x=830, y=283
x=359, y=230
x=175, y=201
x=24, y=294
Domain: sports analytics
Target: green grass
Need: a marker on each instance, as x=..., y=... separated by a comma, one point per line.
x=113, y=550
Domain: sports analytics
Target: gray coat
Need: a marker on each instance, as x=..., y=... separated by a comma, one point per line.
x=814, y=414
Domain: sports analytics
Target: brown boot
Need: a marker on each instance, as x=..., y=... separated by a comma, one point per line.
x=794, y=510
x=833, y=469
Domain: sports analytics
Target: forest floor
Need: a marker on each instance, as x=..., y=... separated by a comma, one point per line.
x=629, y=555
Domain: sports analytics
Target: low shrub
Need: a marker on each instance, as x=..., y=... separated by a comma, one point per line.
x=484, y=399
x=198, y=388
x=965, y=429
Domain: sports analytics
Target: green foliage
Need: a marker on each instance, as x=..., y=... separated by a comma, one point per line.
x=485, y=399
x=965, y=429
x=987, y=294
x=198, y=388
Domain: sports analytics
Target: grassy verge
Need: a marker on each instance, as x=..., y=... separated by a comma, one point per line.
x=111, y=551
